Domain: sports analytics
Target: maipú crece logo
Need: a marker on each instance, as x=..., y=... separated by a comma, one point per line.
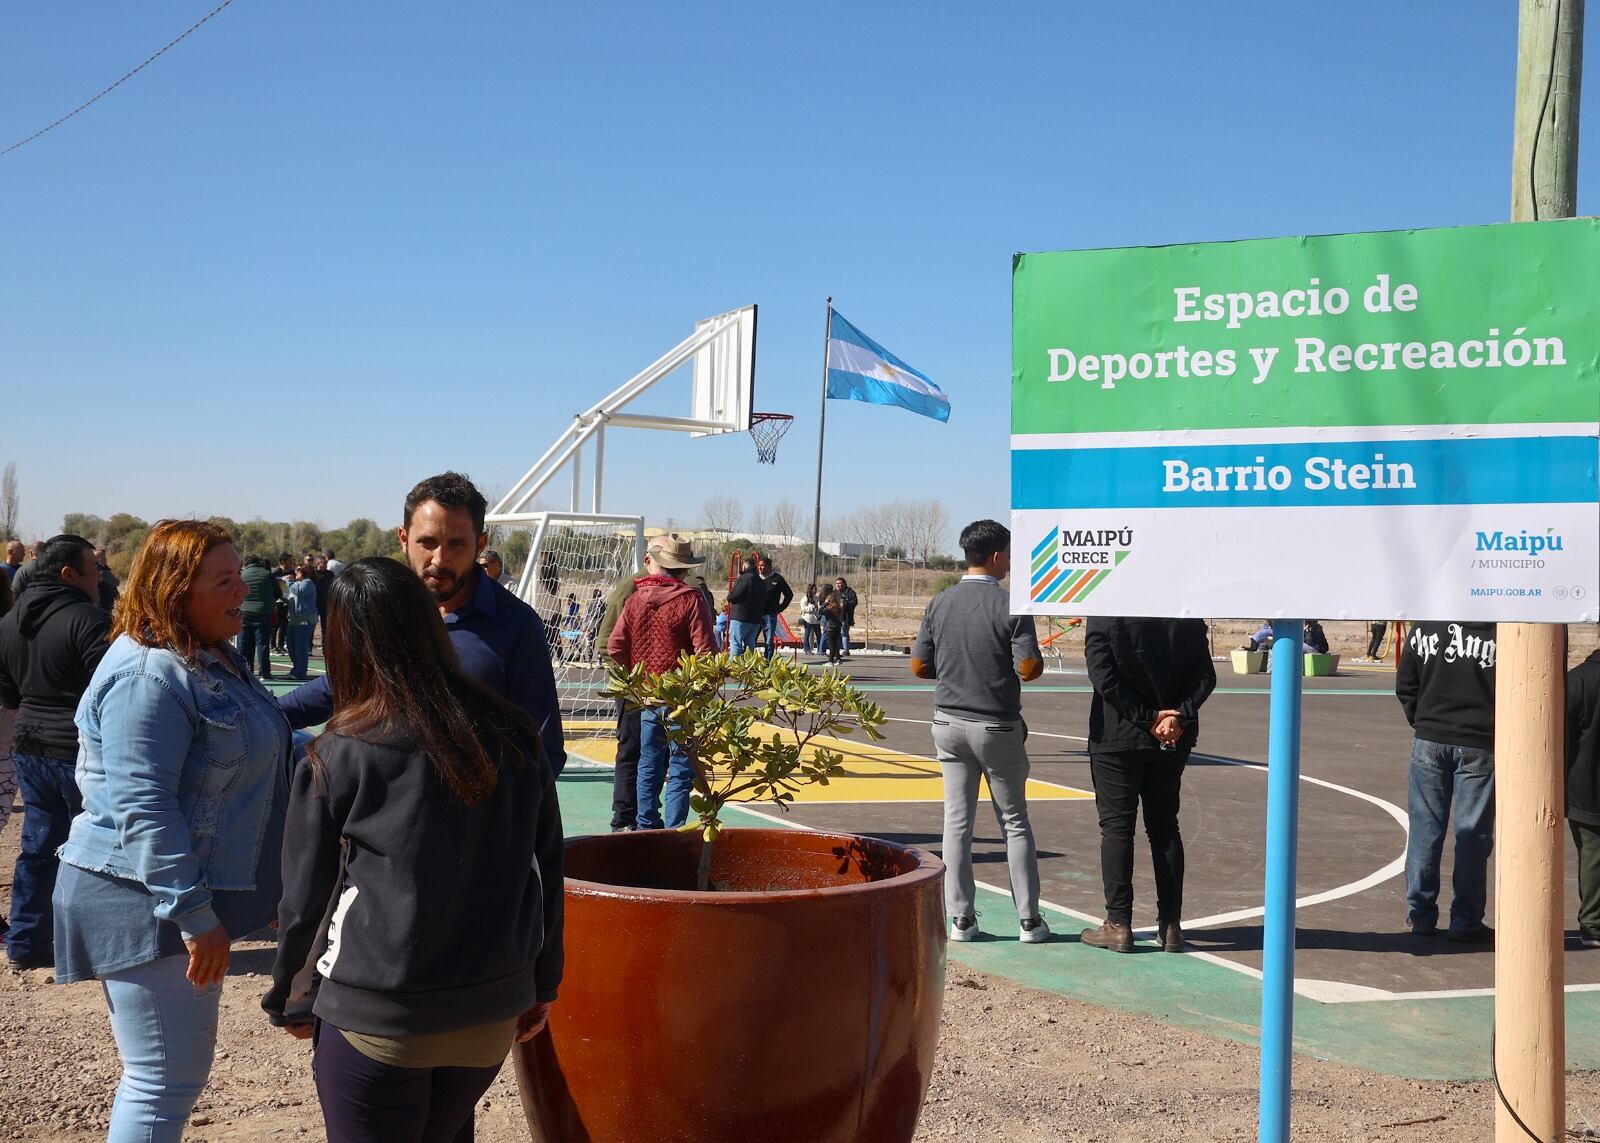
x=1069, y=564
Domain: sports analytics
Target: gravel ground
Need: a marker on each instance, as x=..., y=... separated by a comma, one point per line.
x=1014, y=1066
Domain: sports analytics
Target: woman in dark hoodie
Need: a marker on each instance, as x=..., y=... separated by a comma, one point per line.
x=410, y=841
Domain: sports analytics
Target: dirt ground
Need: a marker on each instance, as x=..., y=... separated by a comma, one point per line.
x=1014, y=1065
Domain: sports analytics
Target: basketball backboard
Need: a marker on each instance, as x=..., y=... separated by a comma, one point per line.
x=725, y=373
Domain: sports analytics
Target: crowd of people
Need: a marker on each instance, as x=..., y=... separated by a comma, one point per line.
x=666, y=623
x=174, y=803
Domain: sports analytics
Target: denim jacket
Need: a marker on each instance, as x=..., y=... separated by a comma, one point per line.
x=178, y=766
x=302, y=597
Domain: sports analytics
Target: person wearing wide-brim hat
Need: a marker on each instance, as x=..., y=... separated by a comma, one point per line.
x=664, y=617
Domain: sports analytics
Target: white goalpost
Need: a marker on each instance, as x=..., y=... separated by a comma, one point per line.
x=577, y=556
x=575, y=560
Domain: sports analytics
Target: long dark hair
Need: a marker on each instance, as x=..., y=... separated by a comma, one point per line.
x=392, y=670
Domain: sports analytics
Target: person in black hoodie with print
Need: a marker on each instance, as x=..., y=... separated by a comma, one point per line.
x=423, y=831
x=1150, y=678
x=1445, y=684
x=1583, y=791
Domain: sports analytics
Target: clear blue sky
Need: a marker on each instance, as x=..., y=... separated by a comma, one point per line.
x=319, y=250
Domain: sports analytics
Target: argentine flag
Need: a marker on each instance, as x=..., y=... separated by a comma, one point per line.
x=859, y=369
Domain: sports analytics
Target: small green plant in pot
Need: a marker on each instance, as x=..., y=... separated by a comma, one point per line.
x=748, y=726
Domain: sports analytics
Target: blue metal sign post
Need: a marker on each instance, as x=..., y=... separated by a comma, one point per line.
x=1283, y=835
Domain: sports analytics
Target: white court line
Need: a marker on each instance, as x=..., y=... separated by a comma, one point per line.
x=1210, y=958
x=1395, y=867
x=1324, y=991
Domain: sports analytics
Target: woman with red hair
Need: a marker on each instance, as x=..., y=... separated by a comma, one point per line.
x=183, y=764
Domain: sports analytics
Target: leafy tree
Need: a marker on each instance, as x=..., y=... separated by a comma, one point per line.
x=515, y=549
x=749, y=727
x=304, y=537
x=91, y=528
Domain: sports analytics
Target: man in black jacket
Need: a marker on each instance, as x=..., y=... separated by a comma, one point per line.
x=1150, y=677
x=1583, y=791
x=747, y=609
x=1445, y=684
x=779, y=596
x=848, y=597
x=50, y=644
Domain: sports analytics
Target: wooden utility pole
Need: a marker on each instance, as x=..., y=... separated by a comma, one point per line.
x=1530, y=1023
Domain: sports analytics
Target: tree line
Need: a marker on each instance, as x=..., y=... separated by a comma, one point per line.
x=900, y=529
x=122, y=533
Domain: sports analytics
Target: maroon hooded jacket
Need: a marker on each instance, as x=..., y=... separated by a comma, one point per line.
x=663, y=618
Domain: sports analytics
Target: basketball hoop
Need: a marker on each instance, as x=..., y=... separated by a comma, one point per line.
x=768, y=430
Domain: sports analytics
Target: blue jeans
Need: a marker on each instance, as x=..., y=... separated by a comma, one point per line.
x=844, y=640
x=769, y=631
x=1446, y=778
x=299, y=649
x=255, y=638
x=166, y=1033
x=660, y=760
x=743, y=636
x=813, y=637
x=50, y=800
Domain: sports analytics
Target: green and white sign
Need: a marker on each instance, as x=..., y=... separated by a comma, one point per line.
x=1393, y=425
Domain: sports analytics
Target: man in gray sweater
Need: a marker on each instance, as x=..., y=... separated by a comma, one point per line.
x=981, y=654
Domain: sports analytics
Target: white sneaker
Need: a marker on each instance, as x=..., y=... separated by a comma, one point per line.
x=964, y=928
x=1033, y=931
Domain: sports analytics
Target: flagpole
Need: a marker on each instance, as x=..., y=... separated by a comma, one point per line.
x=822, y=432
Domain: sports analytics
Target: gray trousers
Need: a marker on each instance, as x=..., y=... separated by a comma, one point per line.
x=969, y=750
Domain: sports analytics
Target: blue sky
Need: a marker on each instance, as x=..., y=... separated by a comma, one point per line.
x=317, y=251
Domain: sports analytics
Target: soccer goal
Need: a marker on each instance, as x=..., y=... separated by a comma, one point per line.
x=575, y=560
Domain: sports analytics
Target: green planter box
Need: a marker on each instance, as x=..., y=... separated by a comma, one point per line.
x=1321, y=665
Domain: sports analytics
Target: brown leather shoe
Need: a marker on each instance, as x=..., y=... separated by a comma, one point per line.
x=1110, y=936
x=1171, y=936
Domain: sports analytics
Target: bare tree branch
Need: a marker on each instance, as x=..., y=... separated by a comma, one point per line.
x=722, y=514
x=10, y=502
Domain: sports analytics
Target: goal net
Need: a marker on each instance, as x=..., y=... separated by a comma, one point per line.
x=574, y=563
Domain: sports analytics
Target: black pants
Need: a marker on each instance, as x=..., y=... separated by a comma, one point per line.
x=624, y=780
x=364, y=1101
x=1122, y=781
x=1375, y=634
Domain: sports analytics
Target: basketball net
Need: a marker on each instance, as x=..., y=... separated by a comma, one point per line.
x=767, y=429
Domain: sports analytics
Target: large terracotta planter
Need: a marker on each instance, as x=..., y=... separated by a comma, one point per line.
x=802, y=1004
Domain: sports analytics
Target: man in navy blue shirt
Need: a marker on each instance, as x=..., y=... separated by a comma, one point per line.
x=499, y=639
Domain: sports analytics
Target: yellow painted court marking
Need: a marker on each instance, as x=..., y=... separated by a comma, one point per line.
x=872, y=773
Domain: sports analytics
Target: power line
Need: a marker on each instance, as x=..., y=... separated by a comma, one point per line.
x=120, y=82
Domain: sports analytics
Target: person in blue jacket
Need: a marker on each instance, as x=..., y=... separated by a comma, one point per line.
x=498, y=638
x=183, y=767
